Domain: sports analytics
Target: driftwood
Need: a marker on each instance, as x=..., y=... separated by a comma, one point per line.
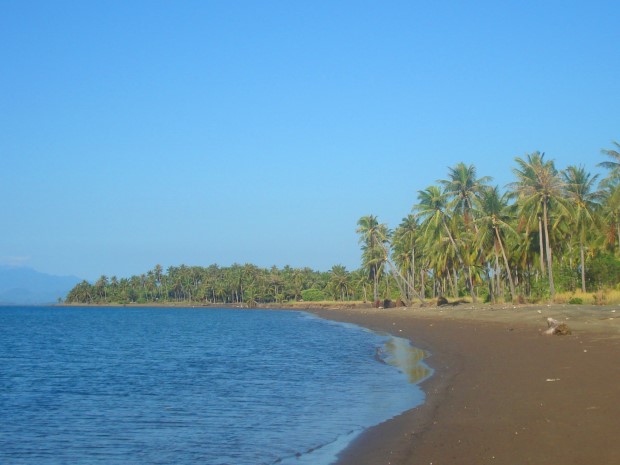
x=557, y=328
x=443, y=302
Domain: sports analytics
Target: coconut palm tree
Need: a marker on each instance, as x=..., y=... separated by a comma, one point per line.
x=494, y=216
x=583, y=202
x=611, y=213
x=339, y=281
x=432, y=210
x=404, y=248
x=614, y=165
x=372, y=238
x=463, y=187
x=539, y=187
x=101, y=287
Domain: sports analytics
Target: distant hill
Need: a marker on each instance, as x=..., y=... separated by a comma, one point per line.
x=25, y=286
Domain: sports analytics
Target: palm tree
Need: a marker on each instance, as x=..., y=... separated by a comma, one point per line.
x=493, y=210
x=101, y=286
x=432, y=209
x=611, y=212
x=539, y=186
x=359, y=279
x=579, y=185
x=404, y=248
x=614, y=165
x=339, y=281
x=372, y=238
x=463, y=188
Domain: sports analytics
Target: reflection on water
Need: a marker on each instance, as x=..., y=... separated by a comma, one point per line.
x=407, y=358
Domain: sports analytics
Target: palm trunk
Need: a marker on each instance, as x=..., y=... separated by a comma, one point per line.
x=498, y=284
x=452, y=284
x=398, y=277
x=513, y=294
x=491, y=284
x=583, y=268
x=540, y=246
x=422, y=284
x=413, y=268
x=456, y=282
x=548, y=250
x=375, y=282
x=458, y=255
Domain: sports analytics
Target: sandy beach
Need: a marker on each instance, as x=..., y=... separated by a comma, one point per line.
x=502, y=392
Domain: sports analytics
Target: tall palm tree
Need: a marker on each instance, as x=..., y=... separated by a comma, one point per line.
x=539, y=185
x=494, y=216
x=579, y=187
x=372, y=238
x=404, y=248
x=432, y=210
x=463, y=187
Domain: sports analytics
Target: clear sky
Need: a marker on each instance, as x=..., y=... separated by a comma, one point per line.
x=141, y=132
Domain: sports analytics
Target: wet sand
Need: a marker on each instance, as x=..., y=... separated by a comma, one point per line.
x=502, y=392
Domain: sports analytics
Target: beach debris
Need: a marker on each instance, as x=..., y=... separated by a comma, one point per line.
x=442, y=302
x=555, y=327
x=551, y=325
x=553, y=379
x=563, y=330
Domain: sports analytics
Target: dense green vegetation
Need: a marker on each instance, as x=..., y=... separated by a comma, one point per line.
x=551, y=231
x=245, y=284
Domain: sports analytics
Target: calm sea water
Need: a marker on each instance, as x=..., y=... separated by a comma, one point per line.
x=192, y=386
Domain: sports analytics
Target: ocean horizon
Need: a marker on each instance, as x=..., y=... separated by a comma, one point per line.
x=90, y=385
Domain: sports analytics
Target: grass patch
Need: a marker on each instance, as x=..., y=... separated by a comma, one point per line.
x=602, y=297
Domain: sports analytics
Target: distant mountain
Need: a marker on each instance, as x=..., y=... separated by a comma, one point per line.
x=25, y=286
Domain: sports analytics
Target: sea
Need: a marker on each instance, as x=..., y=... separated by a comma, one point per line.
x=97, y=385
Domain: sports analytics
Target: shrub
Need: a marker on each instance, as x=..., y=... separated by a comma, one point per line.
x=312, y=295
x=540, y=290
x=576, y=301
x=603, y=271
x=599, y=298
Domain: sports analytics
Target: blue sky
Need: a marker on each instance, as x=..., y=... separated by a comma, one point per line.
x=198, y=132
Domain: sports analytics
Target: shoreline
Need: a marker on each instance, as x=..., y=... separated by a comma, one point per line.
x=501, y=392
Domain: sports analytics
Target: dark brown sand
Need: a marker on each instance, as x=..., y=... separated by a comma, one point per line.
x=502, y=392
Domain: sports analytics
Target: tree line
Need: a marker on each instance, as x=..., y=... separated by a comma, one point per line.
x=237, y=284
x=548, y=231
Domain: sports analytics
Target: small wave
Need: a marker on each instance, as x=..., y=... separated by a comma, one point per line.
x=323, y=454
